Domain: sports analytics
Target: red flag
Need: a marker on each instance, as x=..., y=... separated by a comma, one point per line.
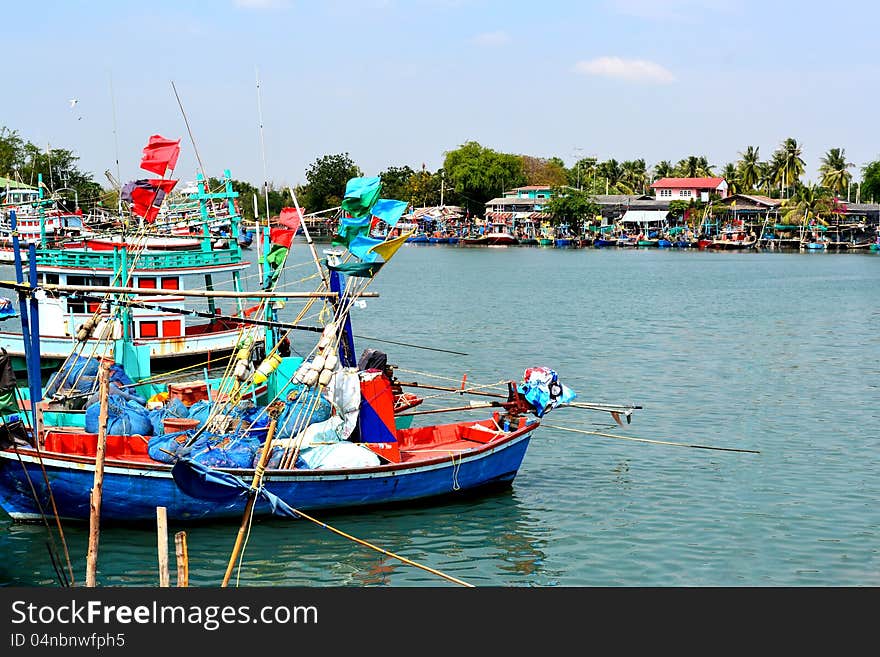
x=281, y=236
x=291, y=218
x=160, y=154
x=147, y=196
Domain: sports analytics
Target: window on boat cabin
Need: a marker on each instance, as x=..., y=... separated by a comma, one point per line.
x=149, y=329
x=147, y=282
x=171, y=283
x=75, y=305
x=171, y=328
x=49, y=279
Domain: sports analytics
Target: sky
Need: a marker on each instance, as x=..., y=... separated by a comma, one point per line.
x=269, y=86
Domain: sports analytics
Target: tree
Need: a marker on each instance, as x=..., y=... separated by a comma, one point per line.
x=787, y=164
x=635, y=175
x=479, y=174
x=694, y=166
x=543, y=171
x=326, y=180
x=663, y=169
x=571, y=206
x=582, y=173
x=395, y=181
x=749, y=168
x=808, y=204
x=423, y=189
x=11, y=152
x=870, y=186
x=731, y=174
x=611, y=175
x=834, y=170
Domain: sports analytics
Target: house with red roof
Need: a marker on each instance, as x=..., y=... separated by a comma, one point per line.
x=685, y=189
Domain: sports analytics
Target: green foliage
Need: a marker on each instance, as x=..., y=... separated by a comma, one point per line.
x=542, y=171
x=395, y=181
x=479, y=174
x=327, y=177
x=677, y=208
x=834, y=170
x=870, y=187
x=571, y=206
x=25, y=161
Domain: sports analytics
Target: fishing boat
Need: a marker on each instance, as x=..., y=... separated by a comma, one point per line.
x=499, y=235
x=733, y=241
x=474, y=240
x=329, y=435
x=177, y=334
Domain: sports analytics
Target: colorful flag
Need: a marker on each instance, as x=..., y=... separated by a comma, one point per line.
x=389, y=248
x=291, y=217
x=282, y=236
x=361, y=194
x=276, y=256
x=361, y=246
x=389, y=210
x=160, y=154
x=146, y=196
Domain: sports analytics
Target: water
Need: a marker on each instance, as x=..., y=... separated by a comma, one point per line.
x=762, y=351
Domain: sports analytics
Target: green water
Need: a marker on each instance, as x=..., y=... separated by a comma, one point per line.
x=763, y=351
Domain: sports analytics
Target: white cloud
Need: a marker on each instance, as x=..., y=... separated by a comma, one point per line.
x=492, y=39
x=636, y=70
x=262, y=4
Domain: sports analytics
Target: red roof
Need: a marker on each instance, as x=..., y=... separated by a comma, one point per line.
x=688, y=183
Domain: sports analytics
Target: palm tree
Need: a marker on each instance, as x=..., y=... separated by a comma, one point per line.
x=635, y=175
x=788, y=164
x=663, y=169
x=612, y=173
x=834, y=171
x=694, y=166
x=749, y=168
x=808, y=203
x=732, y=176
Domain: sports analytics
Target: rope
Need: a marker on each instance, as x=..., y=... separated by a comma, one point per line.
x=647, y=440
x=359, y=541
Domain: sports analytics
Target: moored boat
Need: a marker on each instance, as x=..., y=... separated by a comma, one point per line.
x=327, y=437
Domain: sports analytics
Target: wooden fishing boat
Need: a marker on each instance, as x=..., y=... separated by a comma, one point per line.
x=474, y=240
x=603, y=242
x=176, y=334
x=438, y=460
x=735, y=242
x=331, y=436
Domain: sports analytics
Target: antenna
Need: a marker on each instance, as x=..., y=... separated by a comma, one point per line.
x=265, y=179
x=115, y=143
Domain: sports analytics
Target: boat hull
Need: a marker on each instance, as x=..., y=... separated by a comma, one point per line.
x=132, y=491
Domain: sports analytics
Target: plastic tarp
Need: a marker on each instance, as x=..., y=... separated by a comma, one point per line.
x=205, y=483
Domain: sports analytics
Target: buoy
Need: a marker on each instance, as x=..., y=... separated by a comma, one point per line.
x=269, y=365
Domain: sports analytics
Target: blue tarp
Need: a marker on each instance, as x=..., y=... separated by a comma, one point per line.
x=205, y=483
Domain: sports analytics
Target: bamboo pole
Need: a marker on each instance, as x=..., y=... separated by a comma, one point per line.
x=162, y=541
x=182, y=559
x=648, y=440
x=97, y=487
x=252, y=494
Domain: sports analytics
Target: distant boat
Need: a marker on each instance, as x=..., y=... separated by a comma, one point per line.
x=734, y=242
x=474, y=240
x=602, y=242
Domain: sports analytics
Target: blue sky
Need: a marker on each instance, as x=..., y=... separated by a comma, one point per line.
x=399, y=82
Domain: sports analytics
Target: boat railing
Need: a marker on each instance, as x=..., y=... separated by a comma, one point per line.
x=145, y=260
